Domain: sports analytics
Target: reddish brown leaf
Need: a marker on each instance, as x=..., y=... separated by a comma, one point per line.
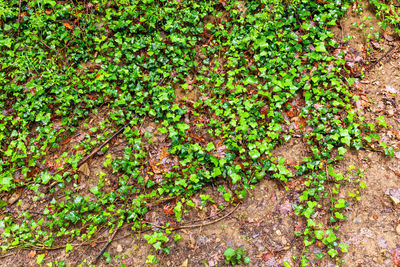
x=396, y=256
x=32, y=254
x=67, y=25
x=267, y=256
x=168, y=210
x=92, y=97
x=32, y=172
x=164, y=153
x=223, y=2
x=291, y=113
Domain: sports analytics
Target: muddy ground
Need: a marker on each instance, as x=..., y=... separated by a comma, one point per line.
x=264, y=223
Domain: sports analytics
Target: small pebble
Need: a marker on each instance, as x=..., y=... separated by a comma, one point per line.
x=398, y=229
x=278, y=232
x=119, y=248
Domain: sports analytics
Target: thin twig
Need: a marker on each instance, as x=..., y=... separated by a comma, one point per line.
x=102, y=145
x=105, y=247
x=159, y=201
x=208, y=223
x=369, y=67
x=197, y=225
x=161, y=82
x=6, y=255
x=97, y=149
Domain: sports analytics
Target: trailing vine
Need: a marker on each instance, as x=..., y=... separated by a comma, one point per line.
x=225, y=83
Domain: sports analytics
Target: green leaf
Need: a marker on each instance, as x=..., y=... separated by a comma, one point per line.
x=254, y=154
x=342, y=151
x=177, y=237
x=5, y=180
x=229, y=253
x=343, y=247
x=235, y=178
x=333, y=252
x=319, y=255
x=182, y=126
x=341, y=203
x=363, y=185
x=68, y=247
x=45, y=177
x=210, y=147
x=40, y=258
x=320, y=47
x=319, y=234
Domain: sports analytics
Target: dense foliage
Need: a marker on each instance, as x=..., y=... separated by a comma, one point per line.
x=254, y=74
x=389, y=12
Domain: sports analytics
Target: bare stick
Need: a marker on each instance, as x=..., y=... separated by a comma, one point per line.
x=200, y=224
x=6, y=255
x=382, y=57
x=208, y=223
x=105, y=247
x=97, y=149
x=102, y=145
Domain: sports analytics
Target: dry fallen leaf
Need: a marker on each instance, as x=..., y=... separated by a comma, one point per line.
x=390, y=89
x=375, y=45
x=396, y=256
x=67, y=25
x=185, y=263
x=388, y=37
x=164, y=153
x=32, y=254
x=168, y=210
x=14, y=197
x=84, y=169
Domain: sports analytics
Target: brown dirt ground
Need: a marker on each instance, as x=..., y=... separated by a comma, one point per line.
x=263, y=224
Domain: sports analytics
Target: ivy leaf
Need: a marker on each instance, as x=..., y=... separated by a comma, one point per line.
x=343, y=247
x=333, y=252
x=341, y=203
x=39, y=258
x=235, y=178
x=45, y=177
x=320, y=47
x=229, y=253
x=210, y=147
x=5, y=181
x=319, y=234
x=342, y=151
x=254, y=154
x=68, y=247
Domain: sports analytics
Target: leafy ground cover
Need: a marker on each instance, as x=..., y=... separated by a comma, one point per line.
x=201, y=92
